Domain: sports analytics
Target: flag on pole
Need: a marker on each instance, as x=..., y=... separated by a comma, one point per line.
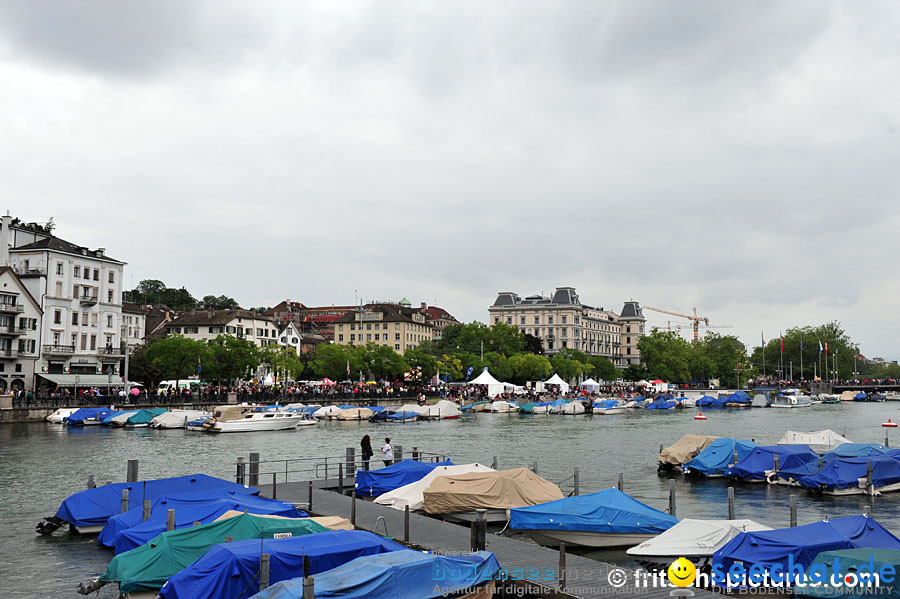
x=762, y=338
x=826, y=347
x=348, y=367
x=801, y=341
x=820, y=346
x=782, y=343
x=199, y=367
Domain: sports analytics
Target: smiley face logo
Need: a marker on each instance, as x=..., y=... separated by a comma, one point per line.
x=682, y=572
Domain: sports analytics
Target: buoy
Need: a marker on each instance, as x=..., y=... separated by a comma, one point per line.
x=890, y=424
x=700, y=416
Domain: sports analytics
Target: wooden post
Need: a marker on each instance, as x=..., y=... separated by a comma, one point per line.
x=310, y=496
x=575, y=482
x=731, y=503
x=254, y=469
x=886, y=442
x=353, y=507
x=734, y=458
x=820, y=462
x=660, y=447
x=562, y=565
x=672, y=497
x=309, y=588
x=776, y=463
x=170, y=520
x=416, y=453
x=406, y=523
x=263, y=571
x=870, y=488
x=534, y=467
x=481, y=530
x=621, y=484
x=341, y=479
x=494, y=463
x=91, y=484
x=124, y=500
x=351, y=461
x=274, y=486
x=146, y=510
x=239, y=475
x=398, y=453
x=472, y=543
x=793, y=511
x=132, y=471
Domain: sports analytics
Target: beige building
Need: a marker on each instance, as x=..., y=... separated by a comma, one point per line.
x=562, y=321
x=206, y=325
x=396, y=326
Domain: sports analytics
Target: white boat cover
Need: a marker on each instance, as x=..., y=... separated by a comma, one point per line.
x=58, y=416
x=121, y=418
x=295, y=406
x=442, y=409
x=685, y=449
x=176, y=418
x=327, y=412
x=411, y=407
x=502, y=489
x=819, y=441
x=572, y=408
x=556, y=380
x=494, y=387
x=694, y=538
x=355, y=414
x=503, y=406
x=848, y=395
x=411, y=494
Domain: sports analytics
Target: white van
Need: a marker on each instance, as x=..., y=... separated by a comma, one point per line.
x=193, y=385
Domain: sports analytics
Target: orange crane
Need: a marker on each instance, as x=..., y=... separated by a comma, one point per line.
x=695, y=319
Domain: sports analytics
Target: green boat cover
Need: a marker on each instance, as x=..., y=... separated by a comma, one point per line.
x=860, y=562
x=144, y=416
x=148, y=567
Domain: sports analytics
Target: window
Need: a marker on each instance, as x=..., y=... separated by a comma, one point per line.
x=628, y=329
x=76, y=272
x=259, y=332
x=496, y=320
x=93, y=342
x=397, y=346
x=397, y=326
x=87, y=273
x=340, y=337
x=59, y=268
x=628, y=351
x=84, y=342
x=193, y=330
x=352, y=337
x=564, y=319
x=75, y=291
x=509, y=320
x=368, y=336
x=19, y=365
x=522, y=320
x=396, y=336
x=109, y=296
x=369, y=327
x=377, y=336
x=109, y=321
x=549, y=320
x=93, y=318
x=353, y=327
x=112, y=276
x=75, y=318
x=627, y=339
x=340, y=327
x=97, y=274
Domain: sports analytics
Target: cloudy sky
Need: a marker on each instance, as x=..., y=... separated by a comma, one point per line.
x=740, y=157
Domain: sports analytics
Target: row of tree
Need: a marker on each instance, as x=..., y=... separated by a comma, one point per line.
x=155, y=292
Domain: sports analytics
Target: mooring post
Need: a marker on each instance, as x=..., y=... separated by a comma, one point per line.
x=341, y=479
x=867, y=510
x=870, y=488
x=534, y=467
x=146, y=510
x=309, y=588
x=353, y=507
x=170, y=520
x=472, y=542
x=91, y=484
x=734, y=458
x=416, y=454
x=132, y=471
x=406, y=523
x=562, y=565
x=263, y=571
x=886, y=442
x=776, y=463
x=731, y=503
x=254, y=469
x=621, y=484
x=239, y=475
x=494, y=463
x=672, y=497
x=398, y=453
x=310, y=496
x=793, y=511
x=576, y=490
x=820, y=462
x=481, y=529
x=229, y=539
x=660, y=447
x=351, y=461
x=124, y=500
x=274, y=486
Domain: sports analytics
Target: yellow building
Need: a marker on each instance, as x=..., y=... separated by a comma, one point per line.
x=398, y=327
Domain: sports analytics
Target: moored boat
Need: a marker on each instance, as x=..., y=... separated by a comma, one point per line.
x=673, y=457
x=60, y=415
x=177, y=418
x=791, y=401
x=258, y=421
x=608, y=407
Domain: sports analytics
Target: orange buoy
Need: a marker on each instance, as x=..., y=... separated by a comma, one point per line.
x=890, y=423
x=700, y=416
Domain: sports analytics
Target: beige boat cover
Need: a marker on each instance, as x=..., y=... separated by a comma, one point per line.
x=685, y=449
x=848, y=395
x=329, y=522
x=355, y=414
x=502, y=489
x=230, y=412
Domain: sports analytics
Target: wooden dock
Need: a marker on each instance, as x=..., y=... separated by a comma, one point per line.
x=585, y=578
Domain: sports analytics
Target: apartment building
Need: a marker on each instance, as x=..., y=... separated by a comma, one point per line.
x=20, y=319
x=393, y=325
x=207, y=325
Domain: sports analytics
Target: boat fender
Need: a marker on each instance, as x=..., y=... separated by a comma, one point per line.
x=88, y=587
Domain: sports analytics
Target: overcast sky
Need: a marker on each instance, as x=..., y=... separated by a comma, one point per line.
x=740, y=157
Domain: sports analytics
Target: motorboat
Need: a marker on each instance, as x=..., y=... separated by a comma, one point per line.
x=142, y=418
x=401, y=417
x=850, y=476
x=355, y=414
x=673, y=457
x=573, y=408
x=443, y=410
x=327, y=413
x=177, y=418
x=775, y=463
x=822, y=441
x=608, y=407
x=608, y=518
x=258, y=421
x=118, y=419
x=504, y=407
x=412, y=494
x=60, y=415
x=372, y=483
x=718, y=457
x=695, y=540
x=791, y=401
x=89, y=416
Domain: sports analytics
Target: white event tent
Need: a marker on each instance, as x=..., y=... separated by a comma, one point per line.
x=590, y=385
x=494, y=387
x=555, y=380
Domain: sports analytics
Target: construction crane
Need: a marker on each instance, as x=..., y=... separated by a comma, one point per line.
x=696, y=319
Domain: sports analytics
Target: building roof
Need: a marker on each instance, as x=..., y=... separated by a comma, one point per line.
x=61, y=245
x=632, y=310
x=390, y=312
x=214, y=317
x=21, y=286
x=436, y=313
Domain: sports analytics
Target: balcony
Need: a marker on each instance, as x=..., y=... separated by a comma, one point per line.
x=59, y=349
x=32, y=271
x=88, y=299
x=14, y=308
x=13, y=330
x=8, y=353
x=113, y=351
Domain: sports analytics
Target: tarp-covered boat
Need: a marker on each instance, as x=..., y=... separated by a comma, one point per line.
x=142, y=418
x=802, y=544
x=819, y=441
x=608, y=518
x=371, y=483
x=739, y=399
x=412, y=493
x=118, y=418
x=355, y=414
x=148, y=567
x=86, y=416
x=404, y=416
x=695, y=540
x=177, y=418
x=327, y=412
x=855, y=450
x=89, y=510
x=794, y=462
x=231, y=569
x=718, y=456
x=683, y=451
x=848, y=476
x=60, y=415
x=857, y=561
x=400, y=575
x=444, y=410
x=457, y=496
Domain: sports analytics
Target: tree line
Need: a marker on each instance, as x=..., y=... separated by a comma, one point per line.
x=156, y=293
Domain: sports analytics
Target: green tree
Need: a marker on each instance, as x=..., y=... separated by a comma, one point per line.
x=177, y=357
x=720, y=354
x=222, y=302
x=283, y=360
x=604, y=369
x=498, y=365
x=666, y=355
x=840, y=354
x=566, y=368
x=232, y=358
x=474, y=337
x=141, y=369
x=450, y=367
x=421, y=362
x=635, y=372
x=331, y=361
x=530, y=367
x=384, y=363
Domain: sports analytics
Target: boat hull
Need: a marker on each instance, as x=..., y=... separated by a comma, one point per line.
x=552, y=538
x=248, y=425
x=608, y=411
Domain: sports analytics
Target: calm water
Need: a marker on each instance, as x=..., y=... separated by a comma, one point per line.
x=41, y=464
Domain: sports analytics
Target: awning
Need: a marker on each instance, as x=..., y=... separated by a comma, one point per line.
x=84, y=380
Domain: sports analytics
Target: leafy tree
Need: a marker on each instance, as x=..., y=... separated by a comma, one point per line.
x=384, y=363
x=533, y=345
x=450, y=367
x=498, y=365
x=142, y=369
x=211, y=302
x=603, y=369
x=421, y=362
x=331, y=361
x=473, y=337
x=282, y=359
x=530, y=367
x=666, y=355
x=718, y=356
x=566, y=368
x=840, y=354
x=177, y=357
x=635, y=372
x=233, y=359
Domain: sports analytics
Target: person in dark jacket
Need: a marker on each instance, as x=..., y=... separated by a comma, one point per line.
x=367, y=452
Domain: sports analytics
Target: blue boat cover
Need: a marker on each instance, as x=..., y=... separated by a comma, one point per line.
x=606, y=403
x=662, y=404
x=372, y=483
x=231, y=569
x=852, y=560
x=860, y=396
x=119, y=523
x=794, y=461
x=608, y=511
x=854, y=450
x=398, y=575
x=400, y=415
x=109, y=418
x=92, y=507
x=739, y=397
x=375, y=409
x=203, y=513
x=144, y=416
x=705, y=401
x=718, y=455
x=78, y=417
x=844, y=473
x=803, y=543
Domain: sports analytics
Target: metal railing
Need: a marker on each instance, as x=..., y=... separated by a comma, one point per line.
x=59, y=349
x=4, y=307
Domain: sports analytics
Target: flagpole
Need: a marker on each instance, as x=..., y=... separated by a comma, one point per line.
x=801, y=359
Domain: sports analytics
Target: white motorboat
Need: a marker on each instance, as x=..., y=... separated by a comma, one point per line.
x=573, y=408
x=791, y=401
x=328, y=412
x=121, y=419
x=60, y=415
x=257, y=421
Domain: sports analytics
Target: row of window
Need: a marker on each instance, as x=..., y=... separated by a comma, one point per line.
x=563, y=320
x=81, y=318
x=57, y=340
x=18, y=367
x=77, y=271
x=86, y=292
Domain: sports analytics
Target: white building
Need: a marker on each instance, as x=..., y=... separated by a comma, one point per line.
x=207, y=325
x=289, y=336
x=20, y=318
x=80, y=293
x=134, y=324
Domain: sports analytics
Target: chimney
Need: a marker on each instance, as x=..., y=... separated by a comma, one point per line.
x=100, y=251
x=4, y=240
x=424, y=305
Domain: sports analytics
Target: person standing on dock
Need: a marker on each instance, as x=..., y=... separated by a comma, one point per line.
x=367, y=452
x=387, y=452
